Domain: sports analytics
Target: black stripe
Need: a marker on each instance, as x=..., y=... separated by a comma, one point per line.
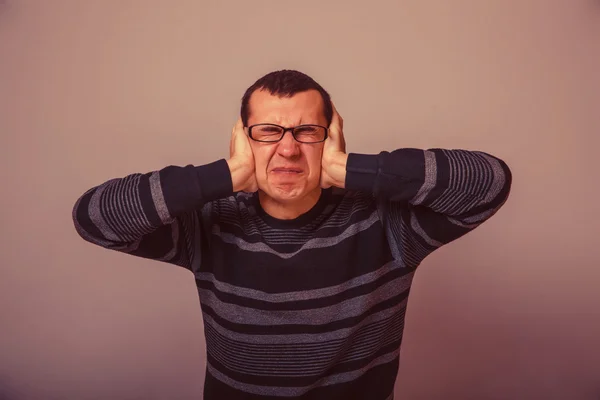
x=442, y=177
x=147, y=202
x=362, y=253
x=291, y=329
x=229, y=223
x=250, y=349
x=83, y=216
x=156, y=244
x=430, y=223
x=304, y=304
x=500, y=198
x=376, y=384
x=436, y=226
x=294, y=381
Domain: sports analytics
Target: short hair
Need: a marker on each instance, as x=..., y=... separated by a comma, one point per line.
x=286, y=83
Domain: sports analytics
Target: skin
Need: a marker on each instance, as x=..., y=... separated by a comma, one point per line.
x=288, y=175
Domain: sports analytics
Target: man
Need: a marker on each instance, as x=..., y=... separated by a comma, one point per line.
x=303, y=255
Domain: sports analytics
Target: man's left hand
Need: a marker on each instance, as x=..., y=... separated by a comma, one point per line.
x=333, y=161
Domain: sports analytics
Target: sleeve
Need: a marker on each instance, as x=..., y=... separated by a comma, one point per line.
x=429, y=198
x=152, y=215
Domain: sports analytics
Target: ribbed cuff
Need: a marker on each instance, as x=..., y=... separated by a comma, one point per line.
x=361, y=172
x=214, y=180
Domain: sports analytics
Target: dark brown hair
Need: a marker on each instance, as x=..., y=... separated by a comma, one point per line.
x=286, y=83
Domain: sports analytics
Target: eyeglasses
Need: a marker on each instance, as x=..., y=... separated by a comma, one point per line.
x=271, y=133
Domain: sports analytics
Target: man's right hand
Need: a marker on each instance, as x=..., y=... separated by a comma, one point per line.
x=241, y=160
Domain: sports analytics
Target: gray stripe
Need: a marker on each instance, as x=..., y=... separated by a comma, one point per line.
x=96, y=215
x=475, y=220
x=158, y=198
x=308, y=358
x=416, y=227
x=296, y=339
x=127, y=247
x=299, y=295
x=452, y=195
x=499, y=178
x=462, y=224
x=292, y=366
x=457, y=199
x=81, y=231
x=230, y=212
x=314, y=243
x=231, y=215
x=315, y=316
x=430, y=177
x=299, y=391
x=123, y=209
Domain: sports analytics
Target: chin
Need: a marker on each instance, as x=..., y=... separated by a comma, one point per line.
x=286, y=193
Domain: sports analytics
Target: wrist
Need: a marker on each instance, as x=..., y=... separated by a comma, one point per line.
x=336, y=168
x=239, y=174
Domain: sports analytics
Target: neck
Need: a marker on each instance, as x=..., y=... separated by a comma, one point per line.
x=289, y=209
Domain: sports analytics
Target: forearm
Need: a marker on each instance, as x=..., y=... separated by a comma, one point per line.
x=123, y=210
x=457, y=183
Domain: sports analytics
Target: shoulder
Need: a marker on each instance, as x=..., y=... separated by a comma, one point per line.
x=346, y=201
x=351, y=196
x=239, y=202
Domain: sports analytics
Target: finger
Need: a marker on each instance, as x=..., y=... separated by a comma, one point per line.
x=238, y=125
x=336, y=117
x=234, y=133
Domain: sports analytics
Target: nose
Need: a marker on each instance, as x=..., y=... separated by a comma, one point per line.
x=288, y=146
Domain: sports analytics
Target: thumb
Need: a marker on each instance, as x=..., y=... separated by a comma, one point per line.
x=234, y=133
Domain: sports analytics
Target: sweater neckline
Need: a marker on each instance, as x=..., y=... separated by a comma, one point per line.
x=299, y=221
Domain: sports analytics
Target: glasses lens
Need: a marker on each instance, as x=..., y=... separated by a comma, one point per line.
x=303, y=133
x=266, y=133
x=309, y=133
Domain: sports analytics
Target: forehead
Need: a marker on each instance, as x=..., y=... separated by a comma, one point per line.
x=301, y=108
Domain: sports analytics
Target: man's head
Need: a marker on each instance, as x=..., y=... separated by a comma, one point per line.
x=287, y=170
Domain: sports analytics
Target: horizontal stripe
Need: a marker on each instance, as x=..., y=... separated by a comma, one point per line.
x=304, y=294
x=310, y=244
x=290, y=339
x=293, y=329
x=430, y=177
x=306, y=299
x=292, y=378
x=327, y=266
x=283, y=362
x=96, y=213
x=317, y=316
x=241, y=220
x=158, y=198
x=314, y=350
x=299, y=391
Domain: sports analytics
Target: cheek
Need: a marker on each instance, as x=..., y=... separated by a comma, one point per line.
x=262, y=157
x=313, y=159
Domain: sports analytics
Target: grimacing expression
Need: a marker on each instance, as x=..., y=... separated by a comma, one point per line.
x=287, y=170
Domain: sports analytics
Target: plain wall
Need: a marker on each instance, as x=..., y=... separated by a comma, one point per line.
x=93, y=90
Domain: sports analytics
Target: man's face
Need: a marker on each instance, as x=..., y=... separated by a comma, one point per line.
x=274, y=160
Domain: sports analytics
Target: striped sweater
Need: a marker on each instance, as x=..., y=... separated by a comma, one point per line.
x=309, y=308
